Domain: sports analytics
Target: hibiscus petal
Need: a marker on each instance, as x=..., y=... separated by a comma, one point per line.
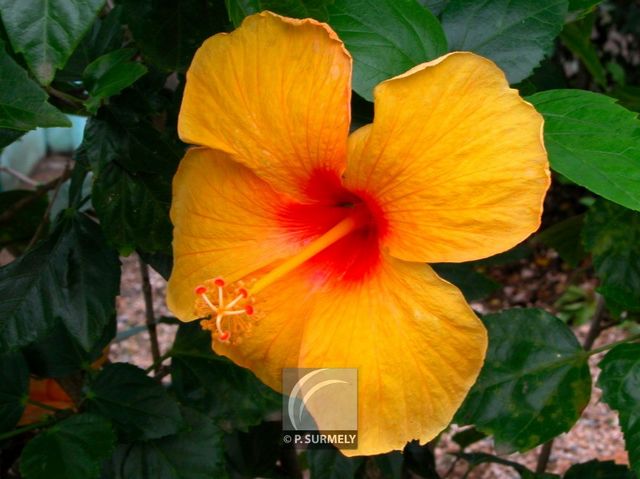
x=417, y=345
x=275, y=94
x=225, y=224
x=455, y=160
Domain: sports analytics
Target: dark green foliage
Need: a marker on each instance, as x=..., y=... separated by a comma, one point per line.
x=74, y=447
x=58, y=353
x=404, y=34
x=516, y=35
x=474, y=285
x=71, y=278
x=620, y=384
x=611, y=234
x=565, y=238
x=22, y=103
x=330, y=464
x=139, y=407
x=238, y=9
x=46, y=32
x=194, y=452
x=214, y=385
x=599, y=470
x=110, y=74
x=20, y=228
x=169, y=32
x=535, y=381
x=592, y=141
x=14, y=385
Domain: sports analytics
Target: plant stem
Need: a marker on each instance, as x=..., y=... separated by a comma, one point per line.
x=16, y=174
x=606, y=347
x=21, y=204
x=65, y=97
x=595, y=327
x=156, y=364
x=151, y=319
x=543, y=458
x=44, y=406
x=28, y=427
x=592, y=335
x=45, y=217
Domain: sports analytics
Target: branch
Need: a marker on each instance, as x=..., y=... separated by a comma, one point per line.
x=16, y=174
x=45, y=217
x=151, y=319
x=23, y=203
x=29, y=427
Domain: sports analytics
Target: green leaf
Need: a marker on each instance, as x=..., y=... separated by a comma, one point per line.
x=593, y=141
x=385, y=38
x=628, y=96
x=72, y=277
x=599, y=470
x=14, y=389
x=515, y=34
x=213, y=384
x=8, y=136
x=47, y=31
x=169, y=32
x=474, y=285
x=332, y=464
x=133, y=165
x=468, y=436
x=239, y=9
x=420, y=460
x=73, y=448
x=435, y=6
x=620, y=384
x=582, y=4
x=612, y=235
x=132, y=143
x=110, y=74
x=23, y=104
x=535, y=381
x=133, y=209
x=549, y=75
x=389, y=465
x=576, y=36
x=139, y=406
x=476, y=458
x=255, y=453
x=193, y=453
x=106, y=34
x=58, y=354
x=21, y=227
x=564, y=237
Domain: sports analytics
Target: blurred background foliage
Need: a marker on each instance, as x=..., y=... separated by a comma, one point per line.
x=107, y=77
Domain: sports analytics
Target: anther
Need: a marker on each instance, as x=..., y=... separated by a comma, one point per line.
x=226, y=309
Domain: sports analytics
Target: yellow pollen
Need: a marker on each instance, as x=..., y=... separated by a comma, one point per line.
x=234, y=314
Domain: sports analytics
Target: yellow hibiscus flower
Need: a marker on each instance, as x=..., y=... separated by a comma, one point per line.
x=305, y=246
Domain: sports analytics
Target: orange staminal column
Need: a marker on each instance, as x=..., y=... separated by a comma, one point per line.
x=229, y=309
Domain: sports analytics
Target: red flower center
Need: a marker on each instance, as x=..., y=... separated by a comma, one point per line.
x=353, y=257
